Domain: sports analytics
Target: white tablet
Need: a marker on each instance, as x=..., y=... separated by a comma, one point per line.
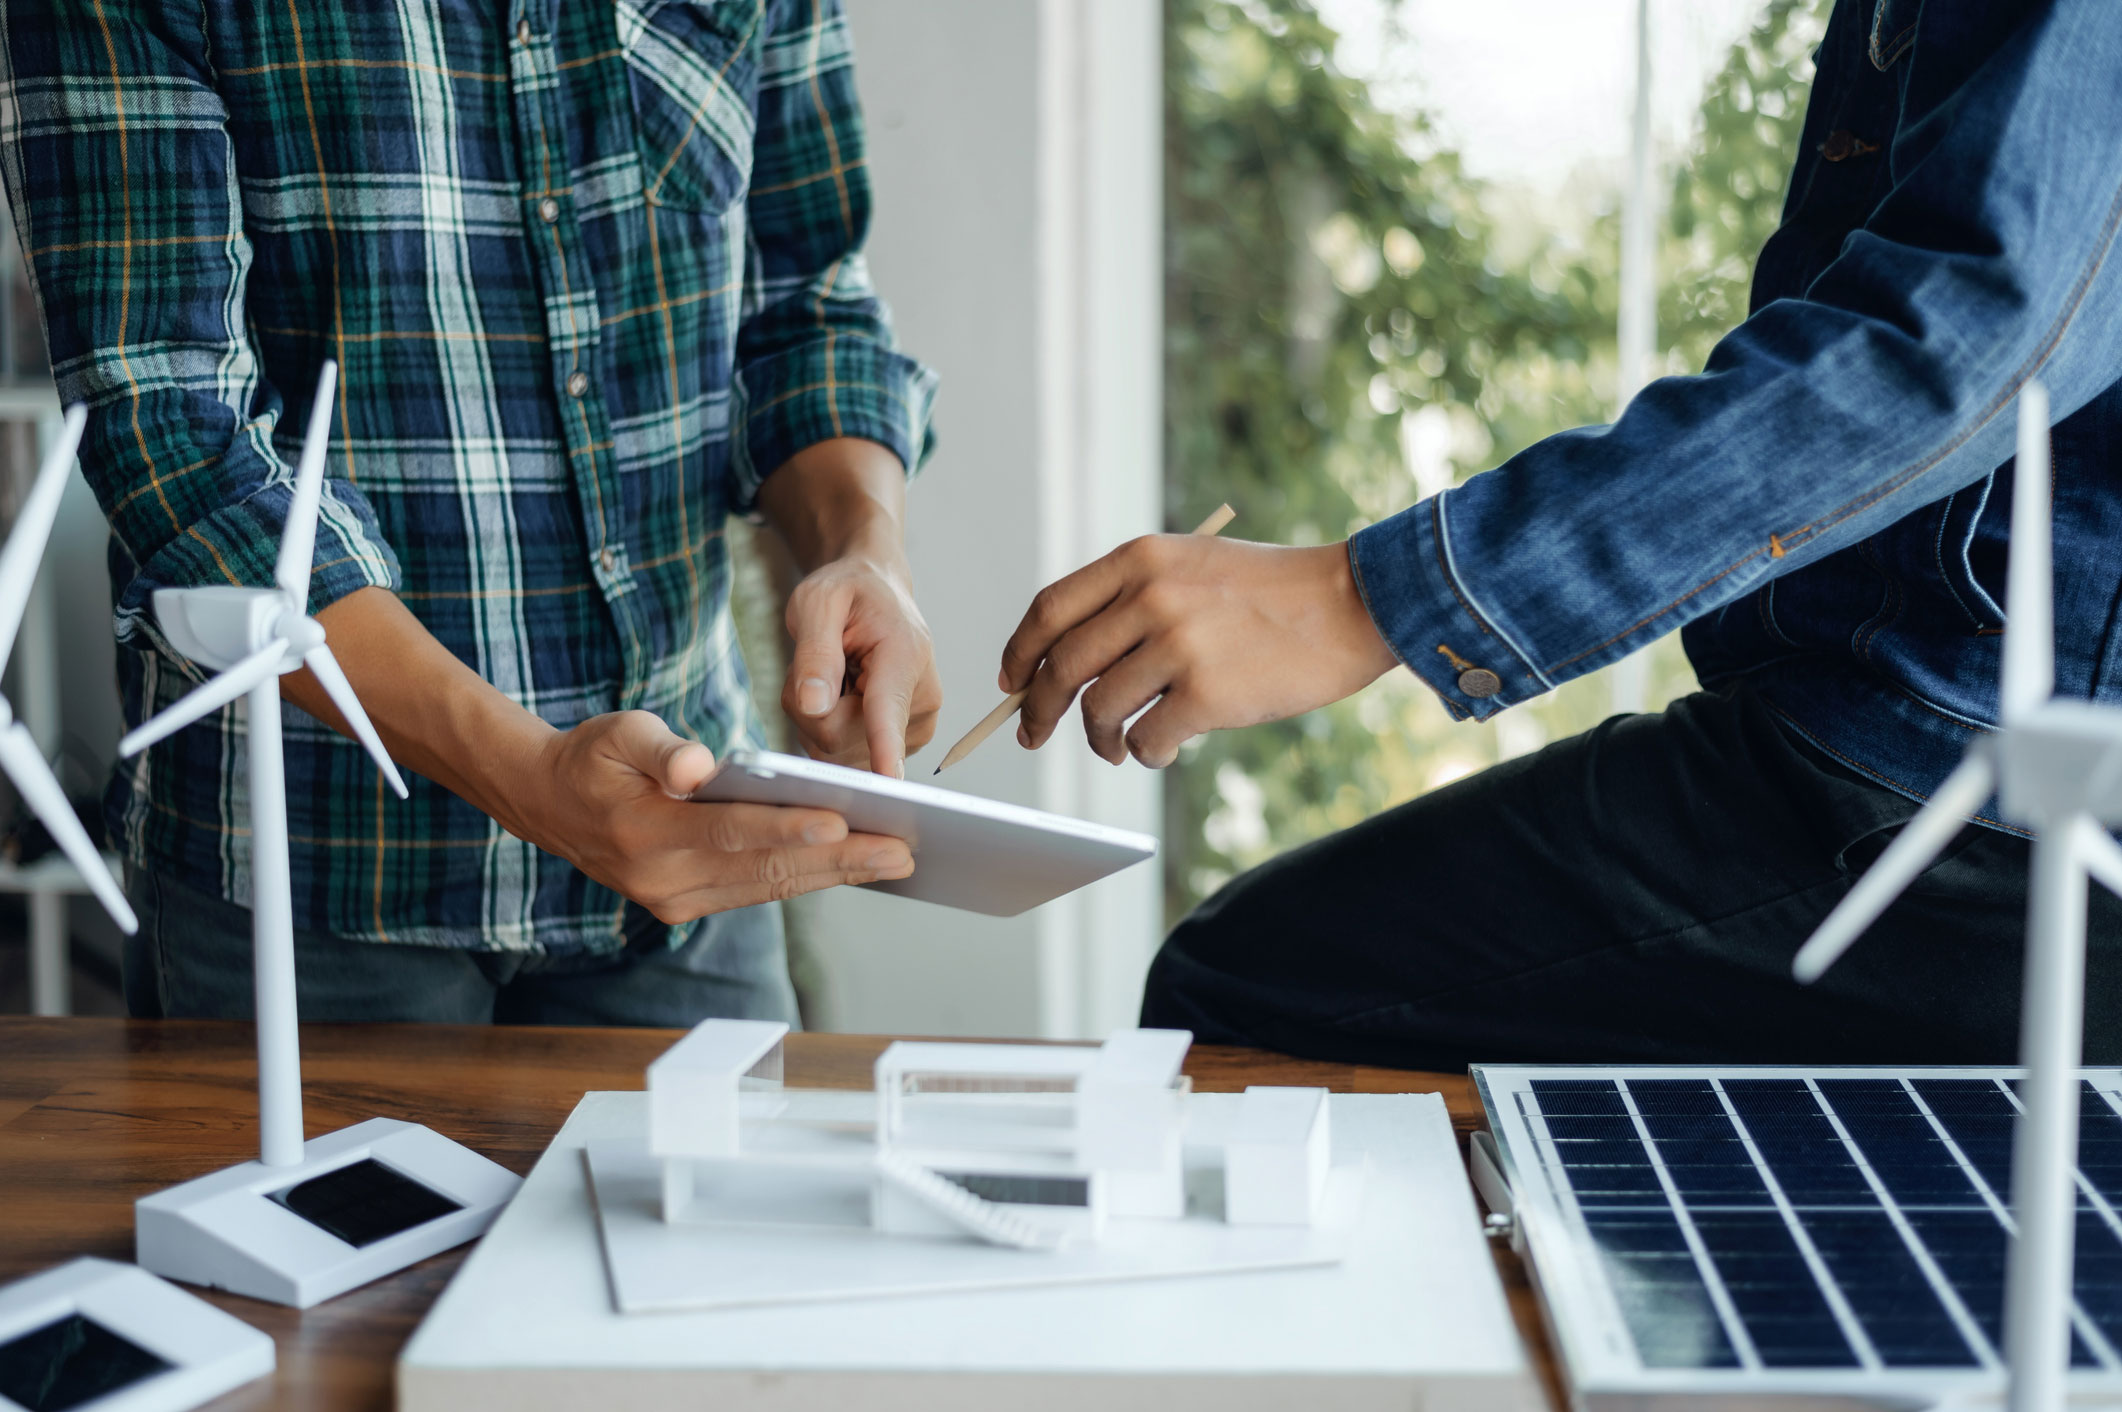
x=977, y=854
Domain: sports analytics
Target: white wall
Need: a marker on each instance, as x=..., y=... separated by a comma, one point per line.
x=1015, y=154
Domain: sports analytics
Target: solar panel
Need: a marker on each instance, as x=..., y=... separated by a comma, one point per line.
x=71, y=1361
x=1761, y=1230
x=364, y=1202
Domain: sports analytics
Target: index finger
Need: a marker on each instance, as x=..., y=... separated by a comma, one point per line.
x=1058, y=607
x=887, y=701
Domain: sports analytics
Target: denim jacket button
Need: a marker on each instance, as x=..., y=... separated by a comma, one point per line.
x=1842, y=144
x=1480, y=682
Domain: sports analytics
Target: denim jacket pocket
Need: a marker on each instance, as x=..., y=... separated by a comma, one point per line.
x=693, y=71
x=1893, y=31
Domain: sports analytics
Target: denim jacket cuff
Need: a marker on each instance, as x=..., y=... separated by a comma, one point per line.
x=1404, y=571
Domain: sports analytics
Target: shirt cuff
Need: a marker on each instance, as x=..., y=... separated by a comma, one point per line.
x=1403, y=568
x=240, y=543
x=841, y=386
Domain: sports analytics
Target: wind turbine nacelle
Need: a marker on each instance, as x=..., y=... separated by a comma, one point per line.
x=2061, y=758
x=220, y=625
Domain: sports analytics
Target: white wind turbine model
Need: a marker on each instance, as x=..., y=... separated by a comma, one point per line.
x=308, y=1220
x=19, y=755
x=201, y=1352
x=2056, y=766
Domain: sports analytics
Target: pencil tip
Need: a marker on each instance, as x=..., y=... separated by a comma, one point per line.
x=937, y=771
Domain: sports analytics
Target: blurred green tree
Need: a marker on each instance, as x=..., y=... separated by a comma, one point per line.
x=1352, y=323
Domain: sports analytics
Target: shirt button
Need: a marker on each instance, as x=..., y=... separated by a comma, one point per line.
x=607, y=560
x=1479, y=682
x=548, y=210
x=523, y=32
x=578, y=386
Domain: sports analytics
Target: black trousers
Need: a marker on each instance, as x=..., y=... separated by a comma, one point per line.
x=1633, y=894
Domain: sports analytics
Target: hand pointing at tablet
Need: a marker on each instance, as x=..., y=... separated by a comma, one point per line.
x=862, y=688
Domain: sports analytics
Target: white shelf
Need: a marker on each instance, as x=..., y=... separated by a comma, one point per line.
x=28, y=401
x=52, y=873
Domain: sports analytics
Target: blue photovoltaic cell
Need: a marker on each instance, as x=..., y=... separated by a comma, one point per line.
x=1660, y=1290
x=1773, y=1289
x=1887, y=1290
x=1699, y=1171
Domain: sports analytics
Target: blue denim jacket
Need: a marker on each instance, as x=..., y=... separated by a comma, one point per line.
x=1824, y=507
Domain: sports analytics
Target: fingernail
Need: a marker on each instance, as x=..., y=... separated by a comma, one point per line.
x=1024, y=737
x=904, y=870
x=818, y=833
x=814, y=696
x=886, y=859
x=899, y=770
x=1002, y=681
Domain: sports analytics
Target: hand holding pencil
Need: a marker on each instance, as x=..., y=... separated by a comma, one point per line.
x=1009, y=705
x=1172, y=635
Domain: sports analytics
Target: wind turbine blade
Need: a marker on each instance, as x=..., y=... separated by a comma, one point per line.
x=298, y=541
x=326, y=669
x=33, y=526
x=2101, y=855
x=1920, y=841
x=2030, y=593
x=34, y=781
x=261, y=665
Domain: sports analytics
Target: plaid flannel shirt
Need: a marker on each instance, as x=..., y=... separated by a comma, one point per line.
x=591, y=270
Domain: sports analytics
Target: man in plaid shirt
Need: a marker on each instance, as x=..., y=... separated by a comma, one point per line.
x=594, y=276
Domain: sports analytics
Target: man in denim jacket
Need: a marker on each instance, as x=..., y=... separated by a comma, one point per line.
x=1823, y=510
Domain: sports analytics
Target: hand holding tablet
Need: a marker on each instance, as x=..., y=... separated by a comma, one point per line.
x=972, y=853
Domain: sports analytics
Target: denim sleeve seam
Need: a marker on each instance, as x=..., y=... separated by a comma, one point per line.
x=1464, y=594
x=1884, y=489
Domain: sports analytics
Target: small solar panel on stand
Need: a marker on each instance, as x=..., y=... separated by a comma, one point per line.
x=97, y=1334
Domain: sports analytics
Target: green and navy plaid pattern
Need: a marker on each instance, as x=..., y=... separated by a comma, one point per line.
x=590, y=270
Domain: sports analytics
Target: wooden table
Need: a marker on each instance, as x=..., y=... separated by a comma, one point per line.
x=95, y=1113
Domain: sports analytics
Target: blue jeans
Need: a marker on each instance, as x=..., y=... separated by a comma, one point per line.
x=192, y=958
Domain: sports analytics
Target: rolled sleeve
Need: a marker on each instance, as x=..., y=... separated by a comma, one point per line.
x=141, y=279
x=239, y=544
x=1403, y=568
x=842, y=385
x=816, y=357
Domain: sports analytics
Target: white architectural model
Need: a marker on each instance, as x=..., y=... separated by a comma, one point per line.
x=1275, y=1167
x=308, y=1220
x=1032, y=1146
x=2056, y=765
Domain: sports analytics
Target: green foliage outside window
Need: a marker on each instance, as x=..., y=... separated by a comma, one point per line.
x=1352, y=322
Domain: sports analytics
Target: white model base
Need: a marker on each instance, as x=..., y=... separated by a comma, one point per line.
x=225, y=1231
x=1412, y=1316
x=208, y=1352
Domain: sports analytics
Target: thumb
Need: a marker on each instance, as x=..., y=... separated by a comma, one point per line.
x=642, y=741
x=817, y=665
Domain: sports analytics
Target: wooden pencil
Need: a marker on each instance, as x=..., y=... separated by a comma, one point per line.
x=1011, y=703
